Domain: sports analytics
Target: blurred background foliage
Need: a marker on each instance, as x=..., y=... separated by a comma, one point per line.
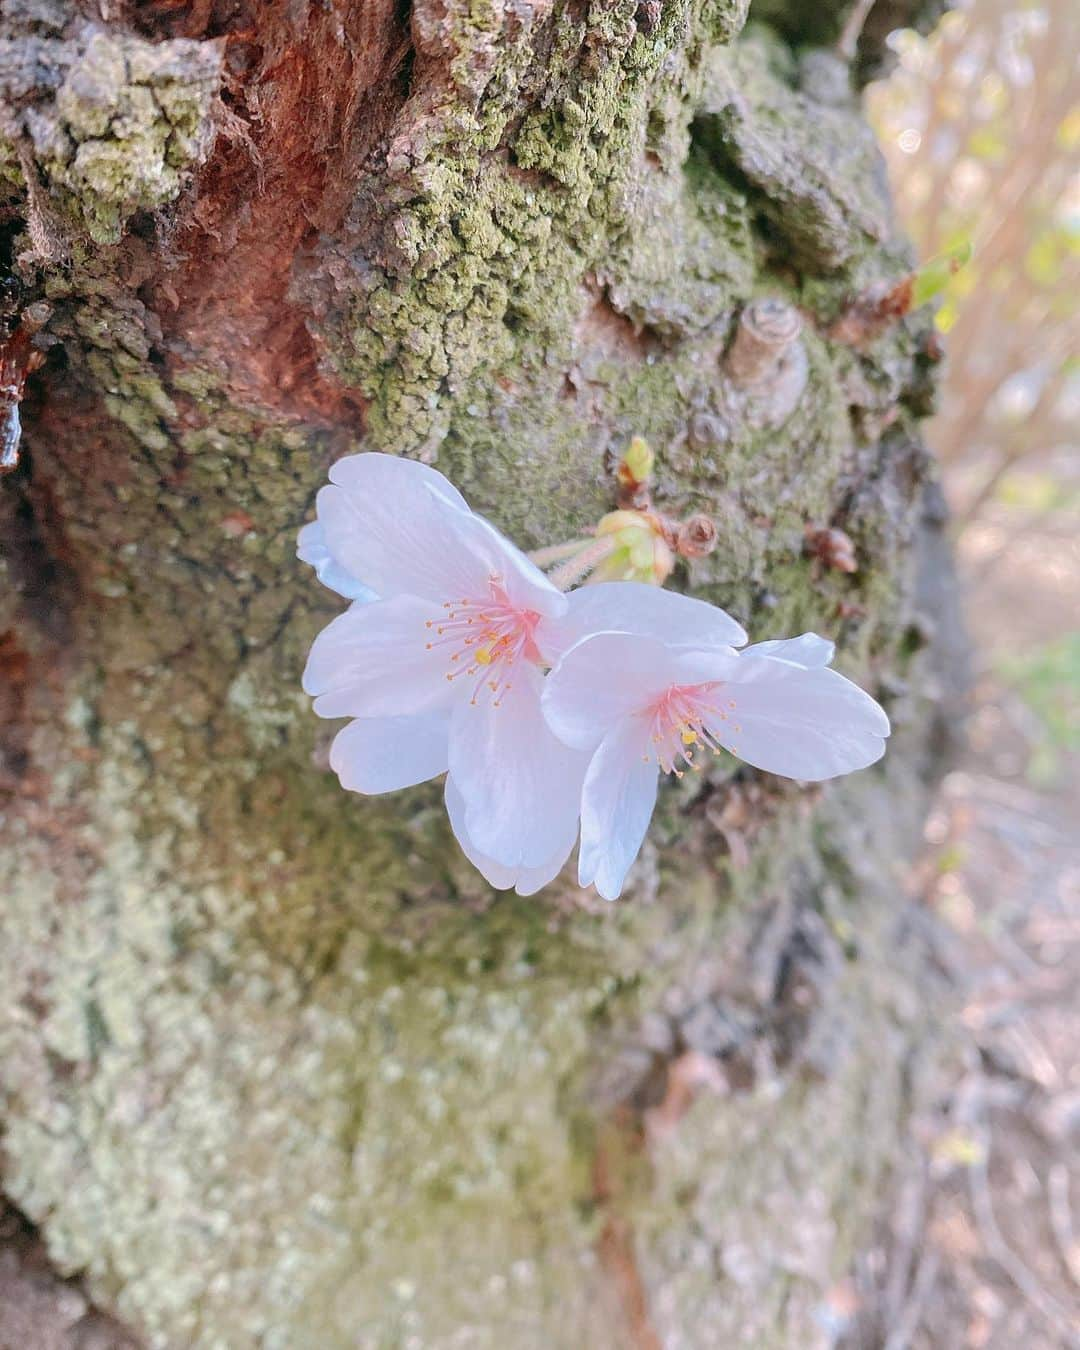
x=980, y=122
x=981, y=1250
x=981, y=127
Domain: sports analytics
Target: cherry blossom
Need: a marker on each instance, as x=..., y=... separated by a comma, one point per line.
x=655, y=700
x=440, y=661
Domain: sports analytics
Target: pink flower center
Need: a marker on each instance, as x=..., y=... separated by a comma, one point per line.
x=484, y=637
x=679, y=725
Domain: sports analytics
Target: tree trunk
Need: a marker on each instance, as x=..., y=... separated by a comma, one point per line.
x=276, y=1068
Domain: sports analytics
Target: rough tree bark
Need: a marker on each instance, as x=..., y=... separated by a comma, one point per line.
x=276, y=1069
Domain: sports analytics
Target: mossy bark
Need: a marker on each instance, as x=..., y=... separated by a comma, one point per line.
x=276, y=1068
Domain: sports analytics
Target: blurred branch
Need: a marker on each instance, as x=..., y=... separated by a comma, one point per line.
x=1024, y=441
x=992, y=100
x=999, y=1250
x=853, y=26
x=1057, y=1190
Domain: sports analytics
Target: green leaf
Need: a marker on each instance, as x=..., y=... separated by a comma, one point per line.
x=933, y=276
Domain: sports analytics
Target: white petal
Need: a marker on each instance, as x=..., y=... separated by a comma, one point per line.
x=525, y=880
x=311, y=548
x=376, y=473
x=523, y=581
x=616, y=807
x=704, y=667
x=372, y=661
x=414, y=544
x=603, y=680
x=649, y=611
x=384, y=754
x=806, y=724
x=808, y=650
x=520, y=784
x=388, y=527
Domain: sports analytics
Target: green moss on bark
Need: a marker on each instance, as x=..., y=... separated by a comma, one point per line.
x=130, y=119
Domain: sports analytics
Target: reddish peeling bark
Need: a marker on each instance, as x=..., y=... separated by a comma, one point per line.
x=309, y=92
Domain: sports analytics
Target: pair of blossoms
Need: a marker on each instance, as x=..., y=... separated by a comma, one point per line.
x=548, y=712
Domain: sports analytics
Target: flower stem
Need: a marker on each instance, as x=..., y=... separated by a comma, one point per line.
x=555, y=553
x=579, y=565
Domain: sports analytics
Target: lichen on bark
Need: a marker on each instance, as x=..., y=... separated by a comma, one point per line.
x=277, y=1069
x=122, y=120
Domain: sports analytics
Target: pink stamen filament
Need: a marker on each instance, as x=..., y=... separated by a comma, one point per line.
x=678, y=726
x=491, y=633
